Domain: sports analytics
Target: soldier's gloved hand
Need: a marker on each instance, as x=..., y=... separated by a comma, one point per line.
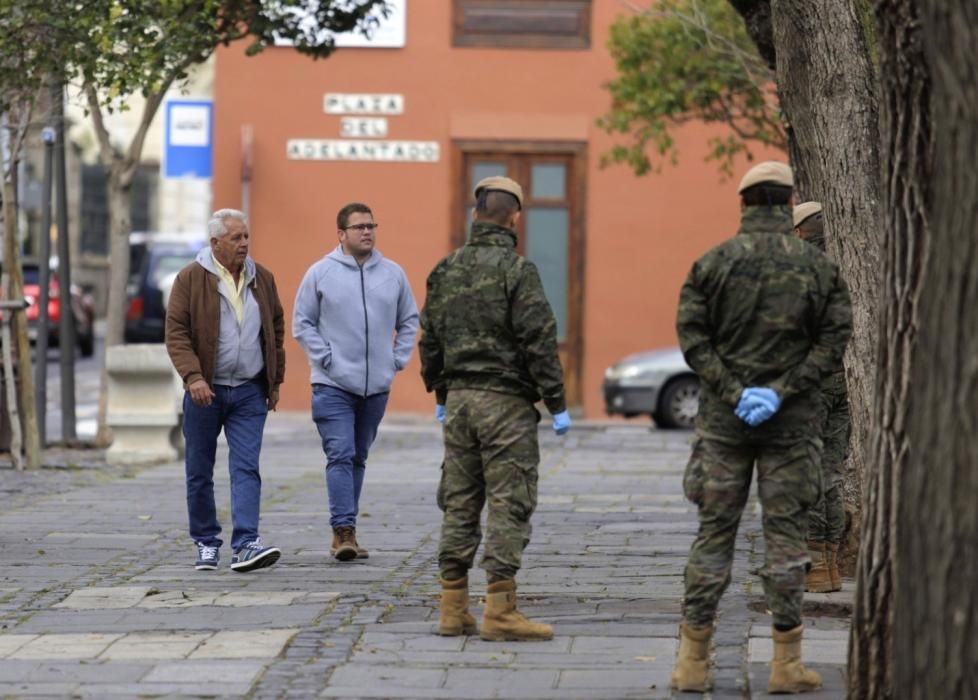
x=439, y=413
x=757, y=404
x=562, y=422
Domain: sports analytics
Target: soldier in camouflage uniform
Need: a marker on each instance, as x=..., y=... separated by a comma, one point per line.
x=826, y=519
x=763, y=318
x=489, y=352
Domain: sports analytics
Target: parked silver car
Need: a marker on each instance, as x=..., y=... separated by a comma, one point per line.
x=657, y=383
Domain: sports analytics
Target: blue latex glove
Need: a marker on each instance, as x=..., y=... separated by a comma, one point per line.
x=562, y=422
x=440, y=413
x=757, y=404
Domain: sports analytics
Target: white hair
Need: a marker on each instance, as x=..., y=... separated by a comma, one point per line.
x=215, y=225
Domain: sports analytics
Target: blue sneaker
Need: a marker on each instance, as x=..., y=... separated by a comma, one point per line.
x=207, y=557
x=254, y=556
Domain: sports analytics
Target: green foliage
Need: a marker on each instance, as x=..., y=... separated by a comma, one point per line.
x=683, y=61
x=136, y=46
x=142, y=46
x=36, y=39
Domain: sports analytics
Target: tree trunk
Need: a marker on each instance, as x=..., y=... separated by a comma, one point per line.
x=18, y=326
x=828, y=93
x=120, y=226
x=907, y=160
x=757, y=21
x=935, y=629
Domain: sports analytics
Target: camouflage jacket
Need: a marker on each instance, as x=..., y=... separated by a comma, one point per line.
x=487, y=324
x=763, y=309
x=834, y=386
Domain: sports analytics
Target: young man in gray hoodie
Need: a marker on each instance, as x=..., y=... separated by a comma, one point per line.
x=356, y=318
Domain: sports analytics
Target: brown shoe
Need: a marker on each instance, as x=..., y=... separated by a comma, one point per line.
x=693, y=663
x=818, y=579
x=832, y=554
x=344, y=545
x=454, y=619
x=362, y=553
x=788, y=674
x=502, y=622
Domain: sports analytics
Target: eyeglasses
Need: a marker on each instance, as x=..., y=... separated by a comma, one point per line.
x=362, y=228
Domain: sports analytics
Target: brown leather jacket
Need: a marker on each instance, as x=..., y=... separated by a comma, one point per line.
x=193, y=321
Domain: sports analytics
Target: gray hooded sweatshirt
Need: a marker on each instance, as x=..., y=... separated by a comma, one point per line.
x=356, y=324
x=239, y=355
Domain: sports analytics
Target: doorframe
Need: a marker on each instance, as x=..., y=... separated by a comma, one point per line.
x=577, y=188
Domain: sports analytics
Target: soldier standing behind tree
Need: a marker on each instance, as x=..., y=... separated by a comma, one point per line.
x=763, y=319
x=827, y=518
x=489, y=352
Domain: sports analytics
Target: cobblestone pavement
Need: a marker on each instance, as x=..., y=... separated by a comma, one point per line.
x=98, y=597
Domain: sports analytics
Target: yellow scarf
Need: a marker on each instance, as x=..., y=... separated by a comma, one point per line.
x=236, y=290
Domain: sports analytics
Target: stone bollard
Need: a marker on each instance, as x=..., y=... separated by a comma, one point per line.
x=142, y=410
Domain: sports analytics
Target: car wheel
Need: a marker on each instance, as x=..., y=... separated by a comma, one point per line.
x=679, y=403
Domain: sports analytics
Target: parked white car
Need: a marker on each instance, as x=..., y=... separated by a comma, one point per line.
x=658, y=383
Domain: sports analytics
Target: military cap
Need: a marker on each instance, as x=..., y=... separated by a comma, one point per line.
x=497, y=183
x=805, y=211
x=770, y=171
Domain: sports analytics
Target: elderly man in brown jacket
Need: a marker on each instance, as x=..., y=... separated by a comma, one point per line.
x=225, y=334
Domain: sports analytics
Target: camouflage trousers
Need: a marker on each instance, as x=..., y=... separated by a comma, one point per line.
x=827, y=518
x=718, y=480
x=491, y=454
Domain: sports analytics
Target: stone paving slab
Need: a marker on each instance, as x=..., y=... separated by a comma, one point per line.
x=98, y=598
x=10, y=643
x=244, y=644
x=149, y=645
x=206, y=671
x=65, y=646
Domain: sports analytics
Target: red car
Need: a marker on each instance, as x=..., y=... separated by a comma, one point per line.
x=82, y=307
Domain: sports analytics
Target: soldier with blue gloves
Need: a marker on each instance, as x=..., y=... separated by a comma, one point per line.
x=489, y=353
x=763, y=319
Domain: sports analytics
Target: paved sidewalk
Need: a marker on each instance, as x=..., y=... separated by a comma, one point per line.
x=98, y=596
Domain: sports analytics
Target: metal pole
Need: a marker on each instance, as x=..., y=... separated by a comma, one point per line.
x=48, y=135
x=66, y=332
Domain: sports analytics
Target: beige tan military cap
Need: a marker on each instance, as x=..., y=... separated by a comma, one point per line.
x=771, y=171
x=806, y=211
x=500, y=184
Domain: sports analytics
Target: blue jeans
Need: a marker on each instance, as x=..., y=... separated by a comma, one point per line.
x=347, y=424
x=241, y=412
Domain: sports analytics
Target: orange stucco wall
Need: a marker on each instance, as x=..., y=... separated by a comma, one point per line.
x=642, y=233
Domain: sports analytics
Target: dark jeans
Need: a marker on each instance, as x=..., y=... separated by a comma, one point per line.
x=241, y=412
x=347, y=424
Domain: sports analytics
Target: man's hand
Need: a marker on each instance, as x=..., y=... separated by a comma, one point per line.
x=562, y=422
x=757, y=404
x=200, y=393
x=273, y=399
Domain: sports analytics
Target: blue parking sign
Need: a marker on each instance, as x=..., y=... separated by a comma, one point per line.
x=188, y=141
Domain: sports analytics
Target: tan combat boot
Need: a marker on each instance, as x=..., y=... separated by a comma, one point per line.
x=344, y=545
x=788, y=675
x=455, y=619
x=693, y=663
x=818, y=579
x=502, y=622
x=832, y=554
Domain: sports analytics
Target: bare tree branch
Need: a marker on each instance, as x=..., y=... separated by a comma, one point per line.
x=109, y=155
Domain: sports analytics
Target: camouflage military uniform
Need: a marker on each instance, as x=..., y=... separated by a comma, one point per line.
x=827, y=518
x=489, y=352
x=762, y=309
